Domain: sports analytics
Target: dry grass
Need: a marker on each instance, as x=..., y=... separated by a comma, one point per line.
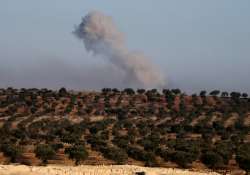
x=247, y=120
x=94, y=170
x=197, y=120
x=231, y=120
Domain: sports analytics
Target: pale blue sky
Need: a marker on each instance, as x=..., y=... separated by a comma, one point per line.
x=197, y=44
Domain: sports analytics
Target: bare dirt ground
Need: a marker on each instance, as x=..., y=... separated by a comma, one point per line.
x=196, y=120
x=231, y=120
x=247, y=120
x=93, y=170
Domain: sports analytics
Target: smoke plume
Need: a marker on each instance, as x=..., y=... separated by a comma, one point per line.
x=102, y=38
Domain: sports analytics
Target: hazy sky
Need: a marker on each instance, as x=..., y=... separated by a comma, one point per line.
x=196, y=44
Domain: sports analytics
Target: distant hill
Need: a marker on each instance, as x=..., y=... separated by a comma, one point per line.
x=146, y=128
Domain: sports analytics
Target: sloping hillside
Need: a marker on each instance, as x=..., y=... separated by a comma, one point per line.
x=146, y=128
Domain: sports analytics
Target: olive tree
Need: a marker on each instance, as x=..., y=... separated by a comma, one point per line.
x=77, y=153
x=45, y=153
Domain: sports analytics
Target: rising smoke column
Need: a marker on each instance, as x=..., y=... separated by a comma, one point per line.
x=101, y=36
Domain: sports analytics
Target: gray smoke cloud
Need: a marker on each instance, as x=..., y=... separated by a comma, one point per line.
x=101, y=37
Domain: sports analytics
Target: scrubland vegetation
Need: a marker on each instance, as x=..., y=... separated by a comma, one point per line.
x=142, y=127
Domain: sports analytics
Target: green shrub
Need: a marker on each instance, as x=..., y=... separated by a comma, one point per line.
x=77, y=153
x=11, y=151
x=183, y=159
x=243, y=157
x=115, y=154
x=45, y=153
x=212, y=159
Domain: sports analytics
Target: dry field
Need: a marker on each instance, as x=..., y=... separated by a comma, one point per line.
x=92, y=170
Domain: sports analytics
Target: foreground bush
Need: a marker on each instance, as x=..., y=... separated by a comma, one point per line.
x=115, y=154
x=77, y=153
x=11, y=151
x=212, y=160
x=243, y=157
x=45, y=153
